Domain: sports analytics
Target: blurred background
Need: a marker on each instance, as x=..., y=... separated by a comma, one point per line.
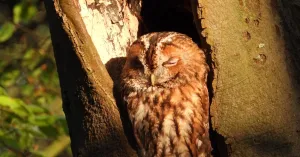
x=32, y=122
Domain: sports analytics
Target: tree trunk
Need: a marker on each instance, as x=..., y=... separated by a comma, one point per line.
x=251, y=45
x=256, y=75
x=93, y=118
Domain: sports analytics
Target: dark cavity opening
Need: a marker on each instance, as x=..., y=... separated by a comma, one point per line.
x=177, y=15
x=168, y=15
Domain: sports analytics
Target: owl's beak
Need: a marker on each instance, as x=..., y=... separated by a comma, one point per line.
x=152, y=79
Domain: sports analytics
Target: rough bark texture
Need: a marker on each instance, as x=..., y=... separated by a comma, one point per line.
x=87, y=90
x=256, y=85
x=111, y=25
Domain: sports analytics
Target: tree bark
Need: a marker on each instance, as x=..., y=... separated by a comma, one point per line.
x=255, y=103
x=93, y=118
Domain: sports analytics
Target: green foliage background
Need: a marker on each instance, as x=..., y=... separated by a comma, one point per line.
x=31, y=119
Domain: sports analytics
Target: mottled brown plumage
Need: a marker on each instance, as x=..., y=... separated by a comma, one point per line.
x=164, y=86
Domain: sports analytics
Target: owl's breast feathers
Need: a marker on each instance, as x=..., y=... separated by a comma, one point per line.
x=171, y=122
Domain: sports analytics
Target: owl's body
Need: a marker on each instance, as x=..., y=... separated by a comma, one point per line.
x=164, y=86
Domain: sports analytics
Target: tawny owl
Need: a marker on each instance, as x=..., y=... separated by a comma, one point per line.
x=164, y=86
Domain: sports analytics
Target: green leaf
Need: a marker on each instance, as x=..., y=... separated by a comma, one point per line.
x=6, y=31
x=17, y=13
x=41, y=100
x=24, y=12
x=29, y=53
x=9, y=102
x=9, y=78
x=15, y=105
x=41, y=120
x=10, y=142
x=35, y=109
x=25, y=140
x=31, y=12
x=37, y=72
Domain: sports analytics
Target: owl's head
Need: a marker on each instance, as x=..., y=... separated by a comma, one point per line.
x=163, y=59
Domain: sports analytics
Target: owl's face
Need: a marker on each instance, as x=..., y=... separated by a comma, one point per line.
x=165, y=59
